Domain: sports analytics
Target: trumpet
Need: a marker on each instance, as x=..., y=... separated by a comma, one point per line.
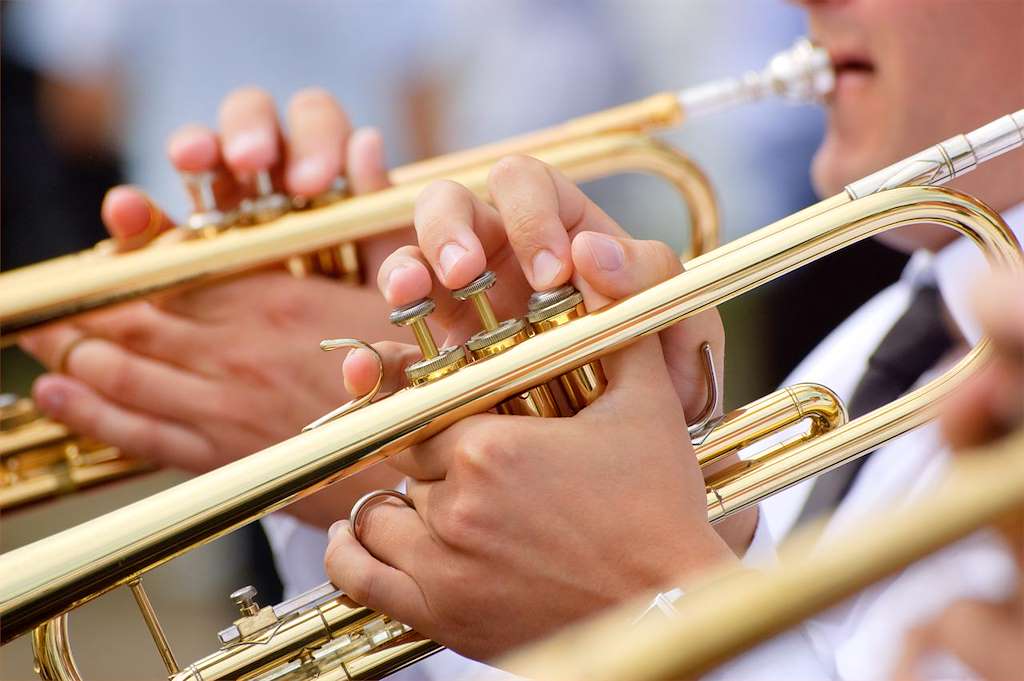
x=983, y=488
x=324, y=633
x=319, y=239
x=40, y=458
x=586, y=148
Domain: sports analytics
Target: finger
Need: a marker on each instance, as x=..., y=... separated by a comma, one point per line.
x=367, y=580
x=51, y=345
x=361, y=368
x=540, y=209
x=144, y=329
x=194, y=148
x=367, y=170
x=132, y=218
x=432, y=459
x=982, y=635
x=610, y=267
x=249, y=132
x=456, y=232
x=87, y=413
x=985, y=408
x=999, y=305
x=318, y=131
x=144, y=384
x=404, y=277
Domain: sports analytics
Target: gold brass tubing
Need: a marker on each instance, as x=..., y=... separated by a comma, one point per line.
x=51, y=576
x=584, y=384
x=51, y=648
x=329, y=622
x=484, y=311
x=537, y=401
x=48, y=291
x=772, y=414
x=153, y=624
x=658, y=111
x=424, y=338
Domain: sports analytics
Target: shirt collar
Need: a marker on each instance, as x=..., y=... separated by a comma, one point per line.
x=955, y=269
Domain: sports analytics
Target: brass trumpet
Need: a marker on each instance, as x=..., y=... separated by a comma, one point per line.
x=615, y=140
x=325, y=633
x=320, y=239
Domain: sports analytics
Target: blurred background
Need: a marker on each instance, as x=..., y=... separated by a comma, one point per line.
x=91, y=90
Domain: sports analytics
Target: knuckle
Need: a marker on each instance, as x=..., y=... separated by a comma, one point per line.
x=313, y=97
x=513, y=165
x=122, y=381
x=246, y=97
x=462, y=519
x=528, y=229
x=441, y=191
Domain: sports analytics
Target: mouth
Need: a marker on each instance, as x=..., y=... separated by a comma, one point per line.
x=852, y=69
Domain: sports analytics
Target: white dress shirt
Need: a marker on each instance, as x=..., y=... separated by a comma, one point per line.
x=860, y=639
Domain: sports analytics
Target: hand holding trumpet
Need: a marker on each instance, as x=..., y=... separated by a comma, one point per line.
x=605, y=520
x=197, y=379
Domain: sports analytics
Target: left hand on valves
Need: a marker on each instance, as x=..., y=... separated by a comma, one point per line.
x=524, y=524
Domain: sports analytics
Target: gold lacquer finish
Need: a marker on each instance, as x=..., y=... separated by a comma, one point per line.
x=41, y=459
x=549, y=310
x=46, y=579
x=608, y=142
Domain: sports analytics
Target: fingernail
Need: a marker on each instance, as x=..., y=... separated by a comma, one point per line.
x=339, y=526
x=451, y=254
x=389, y=284
x=51, y=399
x=254, y=147
x=546, y=268
x=309, y=173
x=607, y=252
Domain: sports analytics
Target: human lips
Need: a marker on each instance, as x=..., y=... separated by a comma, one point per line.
x=853, y=68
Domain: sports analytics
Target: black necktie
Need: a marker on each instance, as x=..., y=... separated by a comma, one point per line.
x=914, y=344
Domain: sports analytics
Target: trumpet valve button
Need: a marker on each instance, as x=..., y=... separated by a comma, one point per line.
x=245, y=599
x=206, y=215
x=411, y=313
x=476, y=291
x=546, y=304
x=268, y=204
x=476, y=287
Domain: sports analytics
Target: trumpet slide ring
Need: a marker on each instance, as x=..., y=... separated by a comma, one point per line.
x=364, y=501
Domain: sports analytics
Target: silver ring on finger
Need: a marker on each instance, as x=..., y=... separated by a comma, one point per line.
x=364, y=502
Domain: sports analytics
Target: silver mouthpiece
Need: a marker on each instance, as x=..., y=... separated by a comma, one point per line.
x=941, y=163
x=803, y=73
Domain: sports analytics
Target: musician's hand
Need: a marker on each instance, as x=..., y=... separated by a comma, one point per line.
x=198, y=379
x=986, y=636
x=524, y=524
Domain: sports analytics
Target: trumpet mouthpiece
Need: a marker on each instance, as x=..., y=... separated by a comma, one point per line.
x=801, y=74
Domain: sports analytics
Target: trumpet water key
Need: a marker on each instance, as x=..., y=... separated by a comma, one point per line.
x=263, y=231
x=41, y=582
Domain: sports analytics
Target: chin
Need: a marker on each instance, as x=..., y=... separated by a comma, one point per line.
x=830, y=170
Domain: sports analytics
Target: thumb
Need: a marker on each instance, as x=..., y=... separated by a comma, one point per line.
x=131, y=218
x=361, y=368
x=609, y=268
